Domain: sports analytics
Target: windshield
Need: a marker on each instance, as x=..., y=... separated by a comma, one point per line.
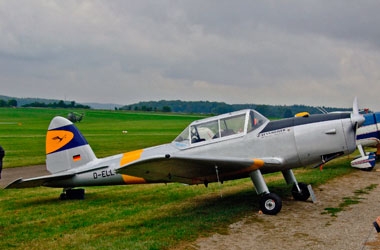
x=183, y=136
x=227, y=125
x=232, y=125
x=204, y=131
x=255, y=120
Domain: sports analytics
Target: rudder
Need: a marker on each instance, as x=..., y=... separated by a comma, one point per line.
x=66, y=147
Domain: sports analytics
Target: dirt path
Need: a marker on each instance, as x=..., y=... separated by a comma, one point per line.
x=300, y=225
x=10, y=174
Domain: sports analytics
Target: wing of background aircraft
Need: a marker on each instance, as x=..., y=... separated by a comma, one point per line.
x=368, y=135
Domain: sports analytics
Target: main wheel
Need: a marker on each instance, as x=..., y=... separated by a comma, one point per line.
x=270, y=204
x=303, y=195
x=367, y=169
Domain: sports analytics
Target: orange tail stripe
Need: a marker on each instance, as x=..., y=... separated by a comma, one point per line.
x=130, y=156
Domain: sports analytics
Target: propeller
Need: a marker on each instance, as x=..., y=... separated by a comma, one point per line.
x=356, y=118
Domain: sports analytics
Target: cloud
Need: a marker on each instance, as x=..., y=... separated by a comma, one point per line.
x=312, y=52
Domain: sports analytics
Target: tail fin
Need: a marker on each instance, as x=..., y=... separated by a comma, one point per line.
x=66, y=148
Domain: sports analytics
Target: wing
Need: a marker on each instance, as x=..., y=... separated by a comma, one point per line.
x=38, y=181
x=194, y=169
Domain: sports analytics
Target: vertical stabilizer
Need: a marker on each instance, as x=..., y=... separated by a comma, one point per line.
x=66, y=148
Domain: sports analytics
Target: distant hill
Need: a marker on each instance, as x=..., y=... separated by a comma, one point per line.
x=199, y=107
x=206, y=107
x=106, y=106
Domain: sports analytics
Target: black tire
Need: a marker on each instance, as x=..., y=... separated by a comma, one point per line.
x=376, y=226
x=63, y=197
x=75, y=194
x=270, y=204
x=367, y=169
x=303, y=195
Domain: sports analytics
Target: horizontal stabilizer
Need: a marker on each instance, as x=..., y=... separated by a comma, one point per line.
x=38, y=181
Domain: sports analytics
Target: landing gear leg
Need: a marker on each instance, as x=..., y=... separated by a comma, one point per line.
x=270, y=203
x=300, y=190
x=72, y=194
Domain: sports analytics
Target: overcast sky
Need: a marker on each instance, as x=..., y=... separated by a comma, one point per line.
x=309, y=52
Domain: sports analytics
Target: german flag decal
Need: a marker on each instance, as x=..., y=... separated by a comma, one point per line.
x=76, y=158
x=56, y=139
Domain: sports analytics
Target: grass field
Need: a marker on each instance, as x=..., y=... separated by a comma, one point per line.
x=155, y=216
x=22, y=132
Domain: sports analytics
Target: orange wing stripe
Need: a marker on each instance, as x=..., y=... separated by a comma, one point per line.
x=258, y=163
x=128, y=179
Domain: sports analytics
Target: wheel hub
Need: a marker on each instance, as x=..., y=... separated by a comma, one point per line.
x=270, y=204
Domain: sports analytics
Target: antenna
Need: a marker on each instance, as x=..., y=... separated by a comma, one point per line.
x=322, y=110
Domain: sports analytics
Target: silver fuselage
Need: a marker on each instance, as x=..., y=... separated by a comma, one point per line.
x=295, y=142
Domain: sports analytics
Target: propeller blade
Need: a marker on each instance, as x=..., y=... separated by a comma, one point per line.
x=356, y=118
x=355, y=107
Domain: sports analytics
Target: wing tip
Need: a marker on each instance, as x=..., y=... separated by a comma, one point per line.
x=14, y=183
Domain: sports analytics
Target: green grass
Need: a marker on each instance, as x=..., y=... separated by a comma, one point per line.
x=23, y=130
x=155, y=216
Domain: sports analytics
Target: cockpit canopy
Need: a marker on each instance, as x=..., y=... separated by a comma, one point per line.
x=224, y=126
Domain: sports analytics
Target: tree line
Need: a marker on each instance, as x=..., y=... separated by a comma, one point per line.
x=36, y=104
x=8, y=103
x=206, y=107
x=178, y=106
x=60, y=104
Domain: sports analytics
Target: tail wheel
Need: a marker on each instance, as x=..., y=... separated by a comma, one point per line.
x=75, y=194
x=301, y=195
x=72, y=194
x=270, y=204
x=63, y=197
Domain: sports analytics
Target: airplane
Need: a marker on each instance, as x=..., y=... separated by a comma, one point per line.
x=230, y=146
x=368, y=135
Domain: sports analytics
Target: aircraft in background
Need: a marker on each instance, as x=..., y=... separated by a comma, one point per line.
x=230, y=146
x=368, y=135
